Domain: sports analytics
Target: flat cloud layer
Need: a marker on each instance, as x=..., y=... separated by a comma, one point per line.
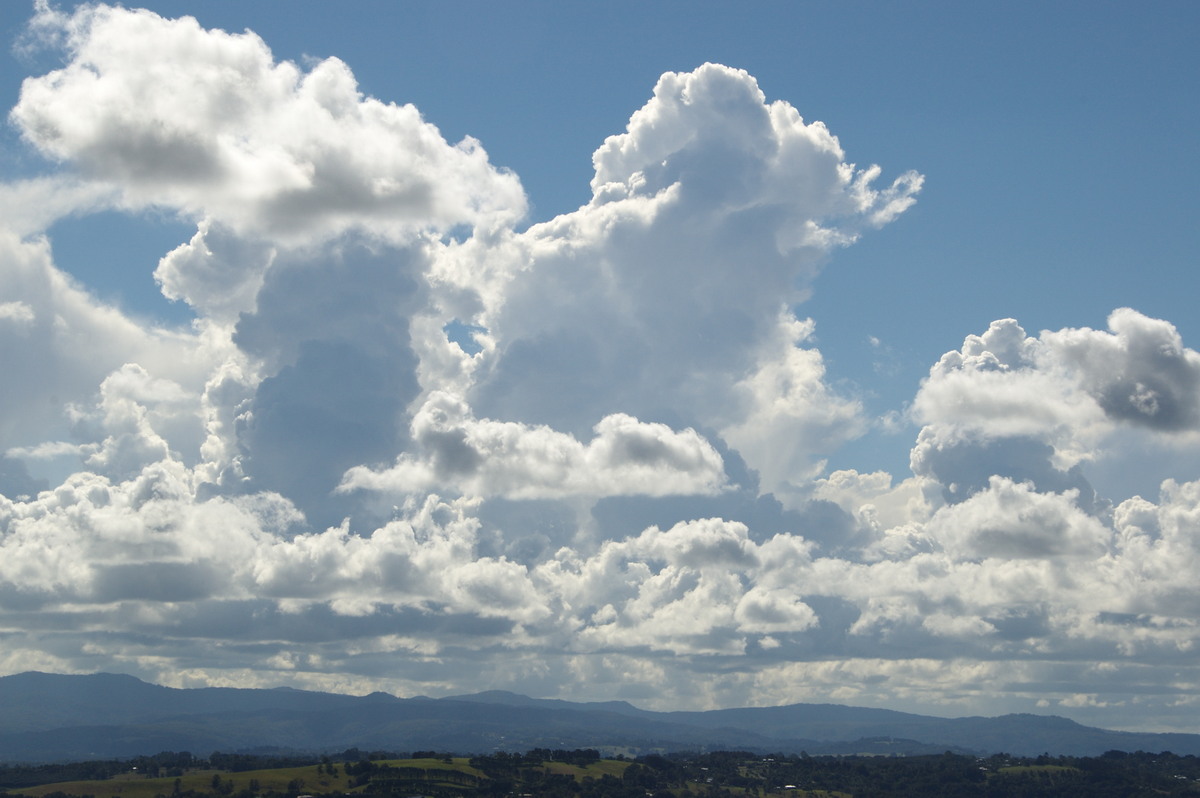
x=609, y=482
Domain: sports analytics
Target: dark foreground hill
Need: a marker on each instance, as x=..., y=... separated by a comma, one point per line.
x=47, y=717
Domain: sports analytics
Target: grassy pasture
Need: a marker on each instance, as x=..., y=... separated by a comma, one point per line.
x=283, y=780
x=129, y=785
x=133, y=785
x=595, y=770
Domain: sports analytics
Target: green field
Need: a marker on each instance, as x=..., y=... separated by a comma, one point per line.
x=605, y=767
x=134, y=786
x=283, y=780
x=715, y=775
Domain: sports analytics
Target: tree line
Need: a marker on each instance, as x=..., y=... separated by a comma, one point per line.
x=721, y=774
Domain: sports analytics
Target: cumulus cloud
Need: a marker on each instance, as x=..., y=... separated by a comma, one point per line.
x=496, y=458
x=669, y=295
x=217, y=273
x=699, y=587
x=1038, y=408
x=1013, y=521
x=621, y=484
x=875, y=503
x=207, y=122
x=1066, y=384
x=999, y=384
x=786, y=398
x=1139, y=372
x=59, y=343
x=711, y=133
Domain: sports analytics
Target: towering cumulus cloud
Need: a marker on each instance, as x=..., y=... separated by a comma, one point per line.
x=407, y=432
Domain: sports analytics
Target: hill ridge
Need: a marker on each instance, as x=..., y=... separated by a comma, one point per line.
x=58, y=717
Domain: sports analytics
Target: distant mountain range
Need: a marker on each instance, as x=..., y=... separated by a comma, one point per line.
x=48, y=717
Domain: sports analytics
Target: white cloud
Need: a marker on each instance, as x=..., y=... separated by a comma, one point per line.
x=58, y=344
x=1138, y=372
x=1012, y=521
x=207, y=122
x=786, y=399
x=712, y=133
x=29, y=207
x=776, y=610
x=1159, y=547
x=641, y=351
x=495, y=458
x=1068, y=387
x=1002, y=384
x=133, y=407
x=18, y=314
x=48, y=450
x=699, y=587
x=94, y=542
x=874, y=501
x=216, y=273
x=1045, y=409
x=669, y=296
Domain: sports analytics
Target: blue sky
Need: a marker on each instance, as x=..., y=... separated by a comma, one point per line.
x=658, y=383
